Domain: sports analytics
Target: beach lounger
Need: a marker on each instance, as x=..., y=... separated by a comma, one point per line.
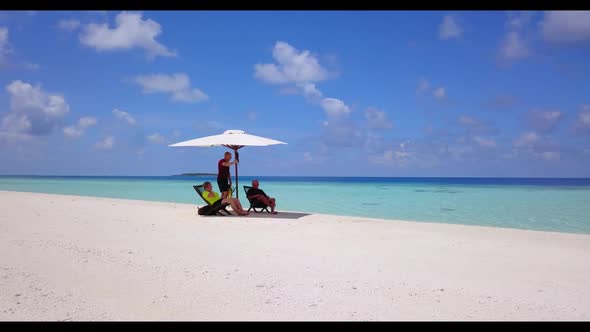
x=211, y=209
x=256, y=204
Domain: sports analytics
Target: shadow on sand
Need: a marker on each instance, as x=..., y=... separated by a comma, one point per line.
x=265, y=215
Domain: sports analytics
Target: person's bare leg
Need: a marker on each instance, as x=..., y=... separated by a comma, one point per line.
x=237, y=206
x=241, y=208
x=268, y=201
x=272, y=204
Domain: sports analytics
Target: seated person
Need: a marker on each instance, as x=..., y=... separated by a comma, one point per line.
x=213, y=198
x=256, y=195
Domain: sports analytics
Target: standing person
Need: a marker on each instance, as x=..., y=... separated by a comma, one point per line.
x=223, y=176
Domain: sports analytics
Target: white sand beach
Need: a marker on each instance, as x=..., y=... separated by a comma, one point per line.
x=84, y=258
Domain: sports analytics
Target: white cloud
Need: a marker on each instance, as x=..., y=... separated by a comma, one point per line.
x=518, y=20
x=131, y=31
x=189, y=96
x=449, y=28
x=78, y=130
x=163, y=82
x=73, y=132
x=440, y=93
x=335, y=107
x=468, y=121
x=513, y=47
x=310, y=91
x=377, y=119
x=87, y=122
x=487, y=143
x=178, y=85
x=124, y=116
x=391, y=157
x=341, y=132
x=31, y=66
x=106, y=144
x=301, y=69
x=544, y=121
x=4, y=45
x=583, y=120
x=292, y=66
x=69, y=24
x=156, y=138
x=528, y=139
x=33, y=111
x=566, y=26
x=549, y=155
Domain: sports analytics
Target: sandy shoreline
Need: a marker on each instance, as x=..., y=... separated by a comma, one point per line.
x=85, y=258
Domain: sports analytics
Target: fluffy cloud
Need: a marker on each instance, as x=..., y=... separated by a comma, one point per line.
x=513, y=47
x=292, y=66
x=310, y=92
x=87, y=122
x=339, y=132
x=124, y=116
x=582, y=123
x=544, y=121
x=300, y=69
x=549, y=155
x=469, y=121
x=407, y=154
x=31, y=66
x=178, y=85
x=69, y=24
x=4, y=46
x=33, y=111
x=377, y=119
x=486, y=143
x=566, y=26
x=439, y=93
x=527, y=140
x=449, y=28
x=424, y=88
x=156, y=138
x=73, y=132
x=106, y=144
x=335, y=107
x=518, y=20
x=77, y=130
x=131, y=31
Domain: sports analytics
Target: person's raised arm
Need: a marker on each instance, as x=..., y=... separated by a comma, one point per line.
x=229, y=163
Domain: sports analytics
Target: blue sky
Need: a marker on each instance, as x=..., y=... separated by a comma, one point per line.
x=352, y=93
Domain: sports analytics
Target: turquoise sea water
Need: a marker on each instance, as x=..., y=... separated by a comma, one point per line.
x=561, y=205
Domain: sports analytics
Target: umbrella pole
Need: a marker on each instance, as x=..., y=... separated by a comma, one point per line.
x=236, y=165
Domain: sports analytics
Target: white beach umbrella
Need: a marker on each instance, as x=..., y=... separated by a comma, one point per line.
x=233, y=139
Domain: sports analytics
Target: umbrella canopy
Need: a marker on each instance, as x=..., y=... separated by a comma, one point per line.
x=229, y=138
x=233, y=139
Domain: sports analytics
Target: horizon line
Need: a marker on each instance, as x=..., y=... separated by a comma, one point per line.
x=302, y=176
